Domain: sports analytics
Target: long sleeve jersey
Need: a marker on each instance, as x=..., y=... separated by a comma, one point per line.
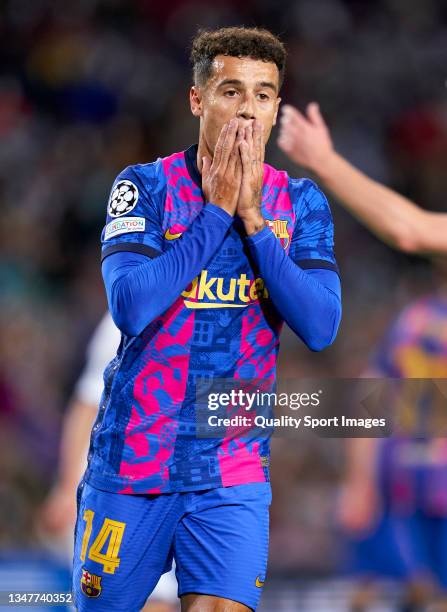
x=196, y=299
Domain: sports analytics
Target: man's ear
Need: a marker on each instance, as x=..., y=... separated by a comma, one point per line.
x=278, y=101
x=195, y=99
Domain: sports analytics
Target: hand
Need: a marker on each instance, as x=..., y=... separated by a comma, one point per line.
x=252, y=151
x=305, y=138
x=58, y=511
x=221, y=178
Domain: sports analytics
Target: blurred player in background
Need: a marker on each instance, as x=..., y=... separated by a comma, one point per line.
x=394, y=499
x=205, y=254
x=58, y=514
x=402, y=224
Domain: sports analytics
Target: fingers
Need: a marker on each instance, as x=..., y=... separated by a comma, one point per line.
x=314, y=115
x=219, y=145
x=234, y=162
x=228, y=144
x=206, y=165
x=249, y=140
x=292, y=116
x=287, y=139
x=252, y=152
x=245, y=156
x=292, y=125
x=258, y=141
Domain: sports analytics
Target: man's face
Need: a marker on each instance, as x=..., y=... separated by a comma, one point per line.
x=238, y=87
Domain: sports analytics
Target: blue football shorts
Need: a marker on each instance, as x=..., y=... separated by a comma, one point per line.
x=124, y=543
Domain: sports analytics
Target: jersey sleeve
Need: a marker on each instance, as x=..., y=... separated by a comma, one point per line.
x=134, y=220
x=312, y=244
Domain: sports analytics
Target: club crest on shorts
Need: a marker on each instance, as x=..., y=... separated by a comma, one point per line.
x=123, y=198
x=279, y=228
x=90, y=584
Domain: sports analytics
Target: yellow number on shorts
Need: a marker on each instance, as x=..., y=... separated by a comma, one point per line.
x=110, y=529
x=88, y=518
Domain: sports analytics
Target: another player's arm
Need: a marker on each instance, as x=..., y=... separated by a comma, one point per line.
x=359, y=501
x=393, y=218
x=140, y=289
x=59, y=509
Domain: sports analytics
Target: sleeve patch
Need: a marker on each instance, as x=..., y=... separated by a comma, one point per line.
x=123, y=199
x=124, y=226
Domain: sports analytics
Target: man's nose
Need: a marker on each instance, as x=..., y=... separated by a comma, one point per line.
x=247, y=108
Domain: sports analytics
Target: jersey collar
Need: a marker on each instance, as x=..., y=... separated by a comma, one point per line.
x=191, y=165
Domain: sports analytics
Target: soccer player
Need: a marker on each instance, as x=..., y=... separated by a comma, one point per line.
x=394, y=501
x=205, y=253
x=399, y=222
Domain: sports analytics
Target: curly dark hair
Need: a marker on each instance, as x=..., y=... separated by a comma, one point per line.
x=255, y=43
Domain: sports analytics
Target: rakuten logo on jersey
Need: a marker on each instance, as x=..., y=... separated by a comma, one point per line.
x=218, y=292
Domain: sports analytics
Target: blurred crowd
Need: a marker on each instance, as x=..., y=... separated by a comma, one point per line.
x=89, y=87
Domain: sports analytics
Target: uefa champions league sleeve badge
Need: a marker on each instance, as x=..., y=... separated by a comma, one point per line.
x=123, y=198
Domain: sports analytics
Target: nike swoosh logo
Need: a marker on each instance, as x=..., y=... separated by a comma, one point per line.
x=170, y=236
x=259, y=583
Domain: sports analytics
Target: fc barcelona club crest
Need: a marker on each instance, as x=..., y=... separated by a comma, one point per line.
x=279, y=228
x=90, y=584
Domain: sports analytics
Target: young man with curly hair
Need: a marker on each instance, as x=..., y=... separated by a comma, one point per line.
x=205, y=254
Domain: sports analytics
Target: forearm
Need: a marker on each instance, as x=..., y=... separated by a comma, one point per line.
x=392, y=217
x=142, y=289
x=361, y=460
x=76, y=429
x=311, y=309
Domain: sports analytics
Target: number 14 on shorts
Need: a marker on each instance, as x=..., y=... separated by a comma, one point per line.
x=112, y=531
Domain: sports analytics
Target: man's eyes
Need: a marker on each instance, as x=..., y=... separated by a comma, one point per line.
x=232, y=93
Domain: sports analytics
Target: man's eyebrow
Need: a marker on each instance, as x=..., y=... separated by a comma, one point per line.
x=229, y=82
x=267, y=84
x=237, y=82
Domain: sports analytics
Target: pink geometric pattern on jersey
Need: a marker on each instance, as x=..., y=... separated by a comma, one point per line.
x=258, y=347
x=239, y=463
x=180, y=187
x=167, y=163
x=169, y=373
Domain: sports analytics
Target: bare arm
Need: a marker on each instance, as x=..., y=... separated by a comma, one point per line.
x=359, y=501
x=59, y=509
x=76, y=431
x=393, y=218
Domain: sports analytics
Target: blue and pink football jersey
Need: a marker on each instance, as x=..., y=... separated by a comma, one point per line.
x=222, y=326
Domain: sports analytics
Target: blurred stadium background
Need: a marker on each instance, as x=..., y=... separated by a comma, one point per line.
x=88, y=87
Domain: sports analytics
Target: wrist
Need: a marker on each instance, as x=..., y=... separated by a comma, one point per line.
x=253, y=221
x=322, y=167
x=223, y=209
